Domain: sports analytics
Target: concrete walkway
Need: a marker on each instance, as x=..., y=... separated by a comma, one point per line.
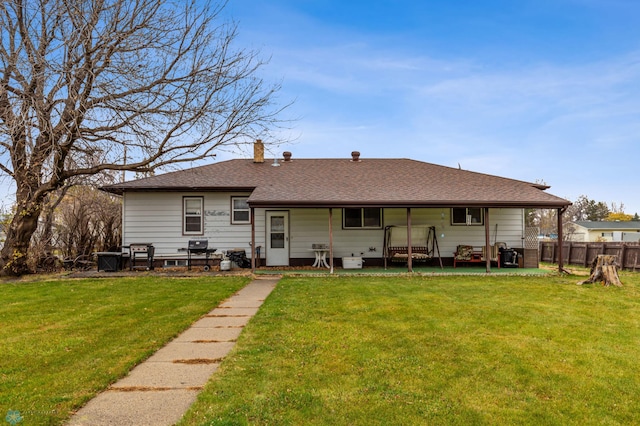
x=161, y=389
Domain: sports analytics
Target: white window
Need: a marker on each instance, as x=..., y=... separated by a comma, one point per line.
x=193, y=217
x=175, y=262
x=240, y=211
x=467, y=216
x=362, y=218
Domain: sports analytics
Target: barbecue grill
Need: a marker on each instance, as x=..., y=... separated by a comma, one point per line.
x=199, y=247
x=141, y=251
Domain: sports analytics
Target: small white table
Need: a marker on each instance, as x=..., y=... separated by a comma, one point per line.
x=321, y=257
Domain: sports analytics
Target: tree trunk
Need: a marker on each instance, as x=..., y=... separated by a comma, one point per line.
x=13, y=257
x=604, y=268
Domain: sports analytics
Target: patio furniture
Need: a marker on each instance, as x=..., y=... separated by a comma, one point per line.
x=320, y=251
x=467, y=254
x=424, y=244
x=83, y=262
x=495, y=253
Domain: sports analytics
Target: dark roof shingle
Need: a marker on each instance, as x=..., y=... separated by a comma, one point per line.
x=342, y=182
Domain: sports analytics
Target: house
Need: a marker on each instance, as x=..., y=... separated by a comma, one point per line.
x=285, y=206
x=592, y=231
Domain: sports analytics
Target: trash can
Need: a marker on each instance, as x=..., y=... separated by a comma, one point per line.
x=508, y=258
x=109, y=261
x=239, y=257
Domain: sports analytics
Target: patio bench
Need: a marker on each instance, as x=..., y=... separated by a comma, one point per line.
x=468, y=254
x=396, y=246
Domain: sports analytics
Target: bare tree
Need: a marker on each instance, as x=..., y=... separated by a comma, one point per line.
x=587, y=209
x=87, y=220
x=88, y=86
x=582, y=209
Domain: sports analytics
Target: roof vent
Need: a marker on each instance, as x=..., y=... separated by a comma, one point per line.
x=275, y=162
x=287, y=156
x=355, y=156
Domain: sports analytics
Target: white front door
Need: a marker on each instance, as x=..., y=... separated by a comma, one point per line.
x=277, y=238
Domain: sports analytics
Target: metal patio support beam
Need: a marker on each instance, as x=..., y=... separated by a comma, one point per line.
x=487, y=240
x=560, y=238
x=409, y=252
x=330, y=240
x=253, y=241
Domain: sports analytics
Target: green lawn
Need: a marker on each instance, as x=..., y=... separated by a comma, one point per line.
x=433, y=350
x=63, y=341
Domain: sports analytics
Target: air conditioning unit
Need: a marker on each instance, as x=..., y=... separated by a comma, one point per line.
x=352, y=262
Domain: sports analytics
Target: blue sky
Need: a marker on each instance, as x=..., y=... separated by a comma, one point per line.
x=532, y=90
x=536, y=90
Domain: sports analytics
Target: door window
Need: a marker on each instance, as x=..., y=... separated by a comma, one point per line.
x=277, y=231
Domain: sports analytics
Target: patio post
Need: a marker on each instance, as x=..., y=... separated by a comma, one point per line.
x=409, y=253
x=560, y=237
x=330, y=240
x=253, y=241
x=487, y=240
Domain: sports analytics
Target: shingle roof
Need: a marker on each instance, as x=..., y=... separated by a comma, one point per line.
x=602, y=225
x=343, y=182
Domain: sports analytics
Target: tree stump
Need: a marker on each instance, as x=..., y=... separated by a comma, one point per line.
x=604, y=268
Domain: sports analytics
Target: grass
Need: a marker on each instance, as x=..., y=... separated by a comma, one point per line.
x=63, y=341
x=381, y=350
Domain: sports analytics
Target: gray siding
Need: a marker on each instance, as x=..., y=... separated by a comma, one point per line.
x=157, y=218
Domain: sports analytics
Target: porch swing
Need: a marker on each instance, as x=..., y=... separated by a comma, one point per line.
x=424, y=244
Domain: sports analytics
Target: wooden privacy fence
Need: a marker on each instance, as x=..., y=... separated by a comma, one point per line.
x=577, y=253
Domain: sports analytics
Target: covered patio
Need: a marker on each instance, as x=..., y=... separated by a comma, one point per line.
x=410, y=257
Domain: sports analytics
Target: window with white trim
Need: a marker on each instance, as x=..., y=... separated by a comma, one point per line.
x=240, y=211
x=362, y=218
x=193, y=223
x=467, y=216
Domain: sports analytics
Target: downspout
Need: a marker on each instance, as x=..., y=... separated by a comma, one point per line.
x=330, y=240
x=409, y=252
x=124, y=221
x=487, y=240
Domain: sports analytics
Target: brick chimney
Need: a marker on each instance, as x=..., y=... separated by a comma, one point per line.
x=258, y=151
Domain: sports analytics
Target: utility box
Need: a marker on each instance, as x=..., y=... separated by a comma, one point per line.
x=352, y=262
